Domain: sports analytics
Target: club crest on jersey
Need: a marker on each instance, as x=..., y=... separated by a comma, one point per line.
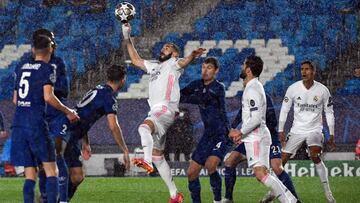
x=252, y=102
x=286, y=99
x=316, y=99
x=299, y=98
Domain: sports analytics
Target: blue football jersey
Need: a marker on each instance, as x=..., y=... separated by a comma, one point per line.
x=211, y=101
x=31, y=76
x=61, y=86
x=96, y=103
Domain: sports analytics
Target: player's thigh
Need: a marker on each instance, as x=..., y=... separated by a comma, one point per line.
x=77, y=174
x=193, y=170
x=42, y=145
x=162, y=118
x=315, y=139
x=234, y=158
x=293, y=143
x=211, y=163
x=21, y=153
x=72, y=154
x=257, y=152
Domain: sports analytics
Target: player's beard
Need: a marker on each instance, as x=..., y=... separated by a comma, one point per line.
x=243, y=75
x=164, y=57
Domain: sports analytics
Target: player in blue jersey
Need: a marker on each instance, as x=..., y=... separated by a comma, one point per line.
x=239, y=154
x=209, y=95
x=96, y=103
x=53, y=117
x=30, y=139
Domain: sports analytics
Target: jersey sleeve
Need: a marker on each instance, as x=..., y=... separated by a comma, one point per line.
x=329, y=112
x=62, y=83
x=48, y=75
x=255, y=101
x=149, y=66
x=285, y=108
x=110, y=104
x=177, y=66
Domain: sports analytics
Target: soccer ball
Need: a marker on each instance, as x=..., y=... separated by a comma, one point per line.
x=124, y=12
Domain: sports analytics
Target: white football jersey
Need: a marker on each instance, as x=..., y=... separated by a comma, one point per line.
x=308, y=108
x=164, y=86
x=254, y=110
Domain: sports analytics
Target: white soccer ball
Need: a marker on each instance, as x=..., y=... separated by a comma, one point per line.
x=124, y=12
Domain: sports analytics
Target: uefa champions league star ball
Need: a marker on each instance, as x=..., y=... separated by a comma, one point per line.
x=124, y=12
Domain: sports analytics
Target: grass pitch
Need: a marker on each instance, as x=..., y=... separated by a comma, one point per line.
x=153, y=190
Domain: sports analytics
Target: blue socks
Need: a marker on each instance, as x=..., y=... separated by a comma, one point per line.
x=215, y=182
x=230, y=179
x=63, y=178
x=286, y=180
x=52, y=189
x=195, y=188
x=29, y=191
x=42, y=186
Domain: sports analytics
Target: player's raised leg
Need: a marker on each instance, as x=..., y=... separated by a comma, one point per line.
x=145, y=130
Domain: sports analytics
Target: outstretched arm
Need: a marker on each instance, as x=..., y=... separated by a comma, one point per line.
x=51, y=99
x=183, y=63
x=134, y=56
x=118, y=136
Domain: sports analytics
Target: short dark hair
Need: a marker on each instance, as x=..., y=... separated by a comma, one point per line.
x=213, y=61
x=46, y=32
x=41, y=42
x=115, y=73
x=255, y=64
x=311, y=64
x=174, y=46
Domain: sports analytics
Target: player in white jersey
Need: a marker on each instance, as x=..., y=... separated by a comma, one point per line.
x=254, y=132
x=164, y=97
x=310, y=99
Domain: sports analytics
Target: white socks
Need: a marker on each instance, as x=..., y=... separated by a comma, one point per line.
x=165, y=173
x=323, y=174
x=278, y=189
x=147, y=142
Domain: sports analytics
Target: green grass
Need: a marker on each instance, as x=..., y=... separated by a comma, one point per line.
x=152, y=190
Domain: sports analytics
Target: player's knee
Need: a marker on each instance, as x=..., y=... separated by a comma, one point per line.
x=191, y=174
x=76, y=179
x=277, y=169
x=260, y=173
x=143, y=128
x=211, y=168
x=315, y=157
x=229, y=163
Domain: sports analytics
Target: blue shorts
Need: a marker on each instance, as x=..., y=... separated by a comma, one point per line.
x=275, y=150
x=72, y=154
x=30, y=145
x=58, y=126
x=210, y=147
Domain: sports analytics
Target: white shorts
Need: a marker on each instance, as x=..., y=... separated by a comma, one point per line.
x=294, y=141
x=162, y=118
x=258, y=149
